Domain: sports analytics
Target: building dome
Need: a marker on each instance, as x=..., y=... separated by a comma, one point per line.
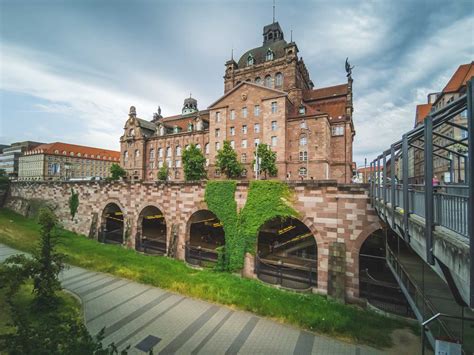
x=189, y=106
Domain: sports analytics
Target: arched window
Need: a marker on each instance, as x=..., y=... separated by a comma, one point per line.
x=56, y=151
x=303, y=140
x=206, y=148
x=302, y=171
x=71, y=154
x=64, y=152
x=178, y=151
x=250, y=60
x=79, y=154
x=268, y=81
x=125, y=156
x=160, y=152
x=279, y=79
x=258, y=80
x=168, y=152
x=269, y=55
x=132, y=132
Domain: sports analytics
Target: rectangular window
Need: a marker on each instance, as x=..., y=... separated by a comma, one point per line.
x=256, y=128
x=160, y=164
x=232, y=144
x=244, y=112
x=274, y=141
x=218, y=116
x=303, y=156
x=338, y=130
x=178, y=163
x=232, y=114
x=218, y=132
x=152, y=165
x=274, y=125
x=256, y=141
x=244, y=143
x=244, y=129
x=232, y=131
x=256, y=110
x=243, y=158
x=218, y=146
x=274, y=107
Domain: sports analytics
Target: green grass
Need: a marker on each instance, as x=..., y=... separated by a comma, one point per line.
x=67, y=306
x=312, y=312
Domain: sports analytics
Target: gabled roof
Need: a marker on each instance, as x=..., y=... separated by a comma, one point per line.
x=275, y=91
x=460, y=78
x=421, y=112
x=146, y=124
x=58, y=148
x=325, y=93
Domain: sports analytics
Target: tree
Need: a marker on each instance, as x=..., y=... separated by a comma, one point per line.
x=48, y=262
x=117, y=172
x=267, y=160
x=73, y=203
x=227, y=162
x=4, y=181
x=194, y=163
x=163, y=172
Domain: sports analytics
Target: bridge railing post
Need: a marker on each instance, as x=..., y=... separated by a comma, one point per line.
x=379, y=179
x=384, y=181
x=406, y=206
x=393, y=182
x=429, y=208
x=469, y=175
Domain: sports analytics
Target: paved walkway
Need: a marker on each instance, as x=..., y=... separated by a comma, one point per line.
x=145, y=316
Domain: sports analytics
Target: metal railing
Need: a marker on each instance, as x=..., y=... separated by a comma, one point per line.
x=286, y=274
x=420, y=305
x=199, y=256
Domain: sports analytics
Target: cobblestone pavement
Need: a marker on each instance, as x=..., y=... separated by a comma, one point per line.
x=144, y=316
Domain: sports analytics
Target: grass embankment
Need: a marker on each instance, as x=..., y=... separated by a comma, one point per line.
x=67, y=306
x=309, y=311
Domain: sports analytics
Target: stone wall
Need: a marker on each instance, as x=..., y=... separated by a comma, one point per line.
x=336, y=214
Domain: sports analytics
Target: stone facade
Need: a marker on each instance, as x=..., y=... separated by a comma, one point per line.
x=268, y=98
x=339, y=216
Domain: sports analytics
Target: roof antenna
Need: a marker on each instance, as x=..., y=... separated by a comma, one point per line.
x=273, y=11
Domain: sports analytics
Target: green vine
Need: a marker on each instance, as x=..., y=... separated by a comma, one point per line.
x=266, y=200
x=73, y=203
x=220, y=200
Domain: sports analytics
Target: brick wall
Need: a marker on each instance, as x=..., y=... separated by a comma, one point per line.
x=336, y=214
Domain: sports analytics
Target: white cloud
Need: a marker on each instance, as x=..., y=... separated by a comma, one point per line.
x=100, y=110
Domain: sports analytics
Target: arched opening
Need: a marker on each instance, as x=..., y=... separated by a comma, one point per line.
x=206, y=235
x=151, y=234
x=376, y=281
x=112, y=224
x=287, y=254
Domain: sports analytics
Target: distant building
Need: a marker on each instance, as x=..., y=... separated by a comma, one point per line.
x=364, y=174
x=62, y=161
x=268, y=98
x=447, y=166
x=10, y=155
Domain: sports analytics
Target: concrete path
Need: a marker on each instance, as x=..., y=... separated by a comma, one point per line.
x=144, y=316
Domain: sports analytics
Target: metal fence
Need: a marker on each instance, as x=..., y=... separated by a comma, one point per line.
x=287, y=275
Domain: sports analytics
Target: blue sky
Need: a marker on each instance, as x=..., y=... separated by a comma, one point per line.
x=70, y=70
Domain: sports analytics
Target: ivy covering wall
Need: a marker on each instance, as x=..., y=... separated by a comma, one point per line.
x=220, y=200
x=265, y=201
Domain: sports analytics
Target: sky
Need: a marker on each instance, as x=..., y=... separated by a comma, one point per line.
x=70, y=70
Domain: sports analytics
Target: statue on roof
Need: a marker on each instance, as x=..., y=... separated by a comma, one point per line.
x=157, y=115
x=348, y=68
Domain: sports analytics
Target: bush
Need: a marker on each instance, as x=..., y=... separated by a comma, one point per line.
x=163, y=172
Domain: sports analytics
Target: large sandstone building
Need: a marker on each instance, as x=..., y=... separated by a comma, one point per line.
x=268, y=98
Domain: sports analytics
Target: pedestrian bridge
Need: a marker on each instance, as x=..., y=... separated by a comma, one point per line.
x=432, y=220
